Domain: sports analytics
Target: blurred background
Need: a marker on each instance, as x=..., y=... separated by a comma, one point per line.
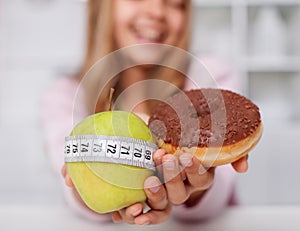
x=43, y=39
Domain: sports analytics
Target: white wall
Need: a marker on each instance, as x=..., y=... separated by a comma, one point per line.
x=39, y=41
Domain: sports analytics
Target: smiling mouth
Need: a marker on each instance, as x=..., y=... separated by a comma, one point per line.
x=149, y=35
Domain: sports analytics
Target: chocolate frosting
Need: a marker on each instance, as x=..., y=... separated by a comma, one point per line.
x=204, y=117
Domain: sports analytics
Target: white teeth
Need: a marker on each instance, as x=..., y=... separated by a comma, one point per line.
x=150, y=34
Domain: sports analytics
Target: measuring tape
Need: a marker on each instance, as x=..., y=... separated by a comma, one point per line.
x=112, y=149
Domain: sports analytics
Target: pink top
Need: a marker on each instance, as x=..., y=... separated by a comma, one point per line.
x=57, y=121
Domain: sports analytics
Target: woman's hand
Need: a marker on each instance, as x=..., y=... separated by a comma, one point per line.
x=185, y=179
x=159, y=207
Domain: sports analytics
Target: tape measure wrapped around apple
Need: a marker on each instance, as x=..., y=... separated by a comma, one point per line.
x=117, y=136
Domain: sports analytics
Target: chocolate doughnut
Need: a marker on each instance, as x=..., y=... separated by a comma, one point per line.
x=217, y=126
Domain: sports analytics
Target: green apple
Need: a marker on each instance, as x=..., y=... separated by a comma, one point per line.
x=107, y=187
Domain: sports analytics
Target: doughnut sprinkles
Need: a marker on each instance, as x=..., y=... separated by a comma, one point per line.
x=217, y=126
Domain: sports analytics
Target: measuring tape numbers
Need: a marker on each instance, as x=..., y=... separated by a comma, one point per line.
x=112, y=149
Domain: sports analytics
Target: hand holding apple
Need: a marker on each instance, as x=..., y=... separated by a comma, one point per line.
x=107, y=187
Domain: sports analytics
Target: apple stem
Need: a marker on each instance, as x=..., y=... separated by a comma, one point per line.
x=112, y=90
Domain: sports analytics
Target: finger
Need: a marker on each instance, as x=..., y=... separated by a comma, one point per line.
x=64, y=170
x=241, y=165
x=154, y=216
x=156, y=193
x=116, y=217
x=69, y=182
x=134, y=210
x=182, y=173
x=128, y=214
x=176, y=190
x=197, y=176
x=157, y=157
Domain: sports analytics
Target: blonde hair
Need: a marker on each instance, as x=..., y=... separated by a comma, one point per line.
x=99, y=43
x=99, y=32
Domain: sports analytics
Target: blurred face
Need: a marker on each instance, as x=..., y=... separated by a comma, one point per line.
x=148, y=21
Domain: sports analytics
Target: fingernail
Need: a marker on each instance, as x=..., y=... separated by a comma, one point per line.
x=154, y=189
x=136, y=212
x=117, y=221
x=169, y=164
x=153, y=184
x=186, y=160
x=146, y=223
